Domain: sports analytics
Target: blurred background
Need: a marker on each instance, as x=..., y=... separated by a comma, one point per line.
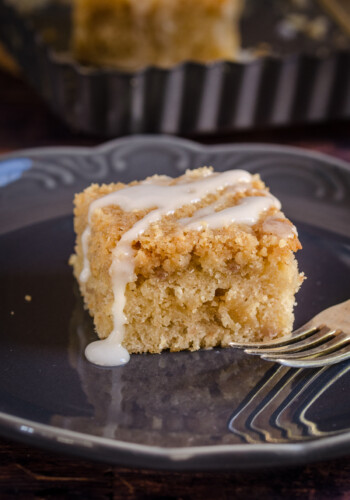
x=284, y=78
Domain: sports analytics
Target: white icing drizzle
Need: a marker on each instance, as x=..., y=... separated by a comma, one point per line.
x=164, y=199
x=247, y=211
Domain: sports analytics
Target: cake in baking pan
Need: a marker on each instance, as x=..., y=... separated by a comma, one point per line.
x=131, y=34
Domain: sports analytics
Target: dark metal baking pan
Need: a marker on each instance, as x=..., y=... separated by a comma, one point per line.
x=283, y=76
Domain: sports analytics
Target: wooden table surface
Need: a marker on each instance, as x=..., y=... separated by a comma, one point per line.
x=26, y=472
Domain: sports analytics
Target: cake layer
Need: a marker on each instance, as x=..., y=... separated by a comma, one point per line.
x=199, y=261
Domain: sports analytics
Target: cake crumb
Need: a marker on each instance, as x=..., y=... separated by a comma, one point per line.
x=28, y=298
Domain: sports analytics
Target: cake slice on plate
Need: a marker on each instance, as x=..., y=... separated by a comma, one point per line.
x=199, y=261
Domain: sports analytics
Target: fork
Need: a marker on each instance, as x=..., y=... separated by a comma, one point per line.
x=322, y=341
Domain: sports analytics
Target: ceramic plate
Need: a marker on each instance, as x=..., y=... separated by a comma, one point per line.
x=213, y=409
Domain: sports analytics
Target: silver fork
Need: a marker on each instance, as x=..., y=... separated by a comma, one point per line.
x=322, y=341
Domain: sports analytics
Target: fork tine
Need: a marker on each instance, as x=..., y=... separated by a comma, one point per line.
x=299, y=334
x=315, y=339
x=305, y=362
x=312, y=345
x=334, y=344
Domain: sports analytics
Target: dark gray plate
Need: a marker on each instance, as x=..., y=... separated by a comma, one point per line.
x=212, y=409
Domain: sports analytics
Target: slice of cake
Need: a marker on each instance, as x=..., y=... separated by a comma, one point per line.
x=202, y=260
x=130, y=34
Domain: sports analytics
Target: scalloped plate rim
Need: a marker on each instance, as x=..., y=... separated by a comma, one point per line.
x=144, y=139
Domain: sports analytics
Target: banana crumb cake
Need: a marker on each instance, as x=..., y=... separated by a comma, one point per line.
x=199, y=261
x=130, y=34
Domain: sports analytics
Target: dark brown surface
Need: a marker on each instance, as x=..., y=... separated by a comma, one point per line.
x=31, y=473
x=26, y=472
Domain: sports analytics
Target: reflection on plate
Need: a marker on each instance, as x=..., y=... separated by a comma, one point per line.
x=209, y=409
